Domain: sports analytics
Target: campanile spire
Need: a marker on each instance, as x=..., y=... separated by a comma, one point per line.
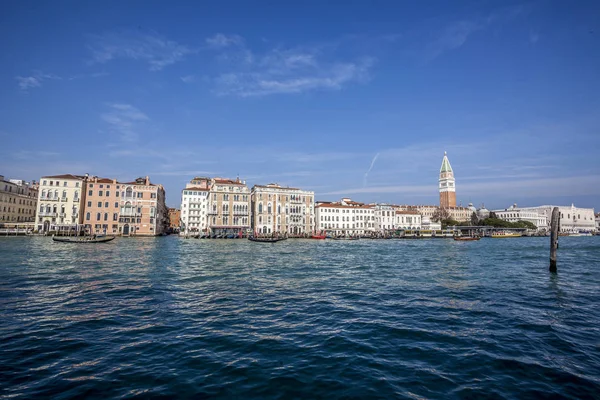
x=447, y=184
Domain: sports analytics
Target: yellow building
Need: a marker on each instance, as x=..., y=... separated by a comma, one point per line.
x=282, y=210
x=18, y=201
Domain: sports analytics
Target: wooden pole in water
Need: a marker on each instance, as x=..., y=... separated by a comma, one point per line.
x=554, y=222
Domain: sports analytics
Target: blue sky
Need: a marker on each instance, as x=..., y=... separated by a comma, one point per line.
x=356, y=99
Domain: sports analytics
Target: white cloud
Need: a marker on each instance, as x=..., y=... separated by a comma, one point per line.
x=151, y=47
x=124, y=119
x=221, y=40
x=188, y=79
x=284, y=70
x=34, y=80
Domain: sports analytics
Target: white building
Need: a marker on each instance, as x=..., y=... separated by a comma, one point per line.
x=408, y=220
x=598, y=222
x=385, y=218
x=282, y=209
x=194, y=210
x=516, y=214
x=429, y=225
x=61, y=198
x=345, y=218
x=572, y=219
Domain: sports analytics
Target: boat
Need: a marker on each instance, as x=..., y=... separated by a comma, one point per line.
x=318, y=237
x=501, y=235
x=266, y=239
x=345, y=238
x=84, y=239
x=466, y=238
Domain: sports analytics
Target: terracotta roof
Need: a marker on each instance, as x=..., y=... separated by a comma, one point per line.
x=228, y=182
x=65, y=176
x=102, y=180
x=196, y=188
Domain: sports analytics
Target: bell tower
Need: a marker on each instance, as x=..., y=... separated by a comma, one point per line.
x=447, y=184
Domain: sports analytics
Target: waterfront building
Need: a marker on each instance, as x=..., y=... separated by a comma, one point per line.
x=60, y=201
x=18, y=201
x=194, y=209
x=229, y=202
x=385, y=217
x=101, y=208
x=516, y=214
x=174, y=219
x=345, y=217
x=447, y=184
x=598, y=222
x=458, y=213
x=572, y=219
x=482, y=213
x=277, y=209
x=143, y=211
x=408, y=220
x=427, y=224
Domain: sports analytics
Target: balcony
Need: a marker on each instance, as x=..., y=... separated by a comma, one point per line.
x=47, y=214
x=242, y=213
x=63, y=199
x=213, y=212
x=62, y=215
x=49, y=199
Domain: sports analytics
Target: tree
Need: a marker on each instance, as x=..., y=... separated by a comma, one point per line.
x=474, y=219
x=493, y=215
x=440, y=214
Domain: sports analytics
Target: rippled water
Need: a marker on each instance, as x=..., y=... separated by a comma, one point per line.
x=166, y=317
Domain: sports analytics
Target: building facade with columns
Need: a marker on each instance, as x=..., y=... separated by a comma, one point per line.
x=408, y=220
x=385, y=217
x=61, y=199
x=345, y=217
x=572, y=219
x=277, y=209
x=143, y=211
x=516, y=214
x=229, y=212
x=18, y=201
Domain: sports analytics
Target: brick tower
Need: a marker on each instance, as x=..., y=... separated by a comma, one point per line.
x=447, y=185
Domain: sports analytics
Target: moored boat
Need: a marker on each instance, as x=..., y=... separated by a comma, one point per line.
x=85, y=239
x=501, y=235
x=266, y=239
x=318, y=237
x=466, y=238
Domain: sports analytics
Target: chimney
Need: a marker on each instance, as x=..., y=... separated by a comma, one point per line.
x=147, y=180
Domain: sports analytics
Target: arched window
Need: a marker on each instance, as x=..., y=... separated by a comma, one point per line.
x=64, y=194
x=259, y=208
x=278, y=208
x=56, y=194
x=106, y=216
x=43, y=193
x=269, y=208
x=87, y=216
x=98, y=217
x=129, y=192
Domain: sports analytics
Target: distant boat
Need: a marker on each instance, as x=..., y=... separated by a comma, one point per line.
x=266, y=239
x=501, y=235
x=345, y=238
x=318, y=237
x=86, y=239
x=466, y=238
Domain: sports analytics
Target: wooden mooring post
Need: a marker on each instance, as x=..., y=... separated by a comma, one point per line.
x=554, y=226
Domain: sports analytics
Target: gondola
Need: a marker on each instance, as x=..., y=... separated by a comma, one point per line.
x=85, y=239
x=265, y=239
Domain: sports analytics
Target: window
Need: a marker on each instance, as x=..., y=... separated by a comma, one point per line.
x=101, y=186
x=100, y=192
x=89, y=203
x=98, y=217
x=106, y=216
x=106, y=204
x=152, y=195
x=99, y=204
x=76, y=184
x=115, y=216
x=91, y=185
x=64, y=184
x=117, y=194
x=117, y=203
x=90, y=192
x=87, y=216
x=107, y=193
